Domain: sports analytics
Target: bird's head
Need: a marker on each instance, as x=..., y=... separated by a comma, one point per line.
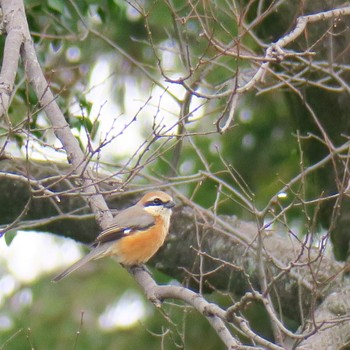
x=157, y=203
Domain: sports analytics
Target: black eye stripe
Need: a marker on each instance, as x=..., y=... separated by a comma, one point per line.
x=154, y=202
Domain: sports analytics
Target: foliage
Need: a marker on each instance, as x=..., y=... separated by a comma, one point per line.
x=239, y=124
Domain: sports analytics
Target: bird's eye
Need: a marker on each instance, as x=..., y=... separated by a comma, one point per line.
x=157, y=201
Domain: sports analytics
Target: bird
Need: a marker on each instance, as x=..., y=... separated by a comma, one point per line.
x=135, y=234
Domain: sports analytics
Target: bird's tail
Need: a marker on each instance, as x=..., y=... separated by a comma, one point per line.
x=95, y=253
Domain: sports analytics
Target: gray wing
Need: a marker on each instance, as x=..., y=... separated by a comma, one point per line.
x=125, y=223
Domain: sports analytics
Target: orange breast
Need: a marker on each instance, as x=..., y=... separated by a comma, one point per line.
x=140, y=246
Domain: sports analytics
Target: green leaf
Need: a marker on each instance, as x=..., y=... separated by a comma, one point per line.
x=19, y=139
x=9, y=236
x=56, y=5
x=88, y=125
x=101, y=12
x=94, y=130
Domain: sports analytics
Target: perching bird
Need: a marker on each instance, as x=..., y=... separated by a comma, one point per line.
x=135, y=235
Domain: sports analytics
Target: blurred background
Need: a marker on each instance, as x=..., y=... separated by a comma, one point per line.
x=148, y=88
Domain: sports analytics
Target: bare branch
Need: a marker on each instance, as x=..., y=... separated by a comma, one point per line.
x=14, y=27
x=47, y=100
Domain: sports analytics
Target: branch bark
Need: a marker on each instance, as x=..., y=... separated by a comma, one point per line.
x=15, y=20
x=205, y=252
x=332, y=318
x=13, y=43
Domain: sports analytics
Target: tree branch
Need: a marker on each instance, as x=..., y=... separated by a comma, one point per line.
x=14, y=40
x=203, y=251
x=13, y=10
x=214, y=314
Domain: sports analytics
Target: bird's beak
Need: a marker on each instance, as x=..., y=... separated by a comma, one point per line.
x=169, y=204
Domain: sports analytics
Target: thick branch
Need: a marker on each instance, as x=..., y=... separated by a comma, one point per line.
x=13, y=43
x=203, y=252
x=332, y=318
x=214, y=314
